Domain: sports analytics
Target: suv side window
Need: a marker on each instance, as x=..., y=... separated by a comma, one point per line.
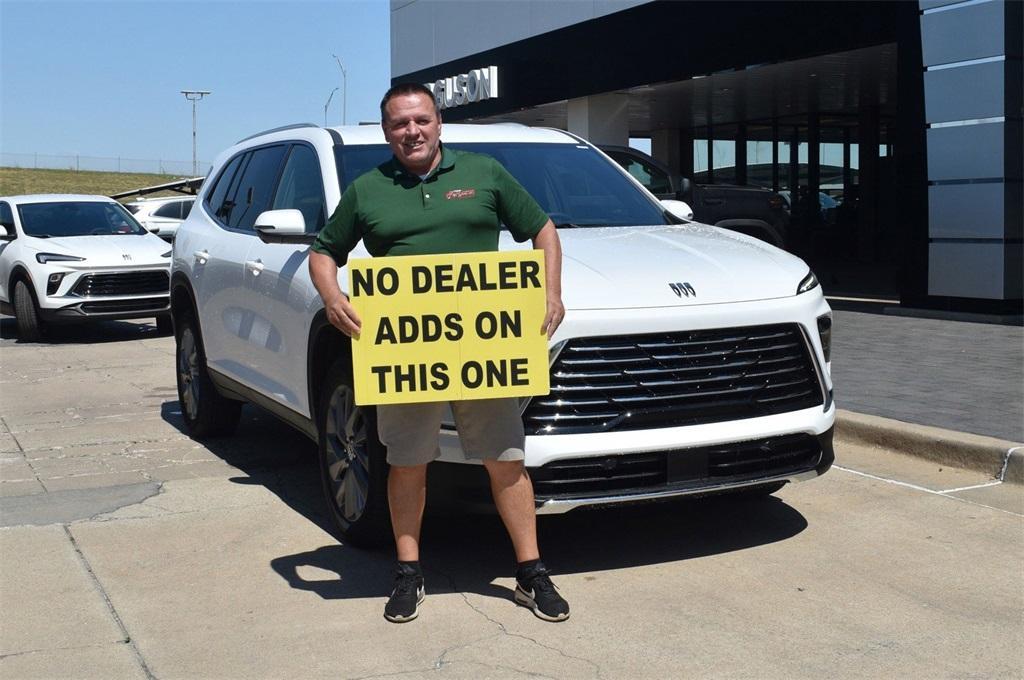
x=301, y=187
x=7, y=219
x=256, y=186
x=217, y=201
x=656, y=181
x=172, y=209
x=186, y=208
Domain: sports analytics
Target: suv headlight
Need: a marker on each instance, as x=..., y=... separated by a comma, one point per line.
x=810, y=282
x=44, y=258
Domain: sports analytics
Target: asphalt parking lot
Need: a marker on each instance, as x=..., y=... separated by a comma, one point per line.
x=129, y=550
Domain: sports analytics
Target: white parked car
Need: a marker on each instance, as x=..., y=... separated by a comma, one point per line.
x=67, y=258
x=162, y=216
x=691, y=360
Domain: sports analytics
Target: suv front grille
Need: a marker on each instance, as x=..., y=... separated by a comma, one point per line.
x=615, y=383
x=124, y=283
x=676, y=469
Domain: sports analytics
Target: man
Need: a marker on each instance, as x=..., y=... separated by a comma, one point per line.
x=409, y=206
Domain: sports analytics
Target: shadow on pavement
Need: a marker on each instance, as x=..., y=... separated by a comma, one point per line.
x=92, y=332
x=465, y=552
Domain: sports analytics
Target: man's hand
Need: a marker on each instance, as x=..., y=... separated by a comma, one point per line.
x=553, y=315
x=547, y=240
x=341, y=314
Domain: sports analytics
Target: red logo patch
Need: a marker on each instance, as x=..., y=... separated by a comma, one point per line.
x=459, y=194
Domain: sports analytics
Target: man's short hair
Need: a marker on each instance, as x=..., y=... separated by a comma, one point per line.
x=404, y=89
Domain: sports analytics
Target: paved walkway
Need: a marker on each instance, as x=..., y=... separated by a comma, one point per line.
x=956, y=375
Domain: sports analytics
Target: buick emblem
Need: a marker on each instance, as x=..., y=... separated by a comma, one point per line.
x=126, y=256
x=681, y=289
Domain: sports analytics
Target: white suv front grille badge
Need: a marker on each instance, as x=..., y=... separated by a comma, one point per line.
x=681, y=289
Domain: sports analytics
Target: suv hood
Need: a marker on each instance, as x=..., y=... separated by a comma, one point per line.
x=107, y=250
x=614, y=267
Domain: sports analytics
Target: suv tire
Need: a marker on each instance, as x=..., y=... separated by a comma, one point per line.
x=353, y=462
x=26, y=315
x=207, y=413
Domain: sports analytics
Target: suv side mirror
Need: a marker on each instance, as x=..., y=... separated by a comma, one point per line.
x=678, y=209
x=283, y=226
x=684, y=189
x=7, y=232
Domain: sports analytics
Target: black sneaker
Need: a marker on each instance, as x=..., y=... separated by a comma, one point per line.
x=535, y=590
x=404, y=603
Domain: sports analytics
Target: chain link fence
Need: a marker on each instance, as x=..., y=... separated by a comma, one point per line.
x=100, y=163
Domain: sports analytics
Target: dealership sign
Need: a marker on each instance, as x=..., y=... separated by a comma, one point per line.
x=465, y=88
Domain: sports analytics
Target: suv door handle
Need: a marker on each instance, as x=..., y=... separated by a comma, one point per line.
x=714, y=201
x=201, y=256
x=255, y=266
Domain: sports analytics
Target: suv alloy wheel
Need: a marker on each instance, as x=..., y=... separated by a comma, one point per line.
x=353, y=465
x=26, y=315
x=206, y=412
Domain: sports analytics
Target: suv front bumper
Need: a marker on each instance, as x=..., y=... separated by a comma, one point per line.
x=574, y=482
x=105, y=308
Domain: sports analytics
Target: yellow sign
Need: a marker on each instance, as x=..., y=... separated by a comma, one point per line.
x=444, y=327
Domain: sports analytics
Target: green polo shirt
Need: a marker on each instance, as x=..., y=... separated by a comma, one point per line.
x=458, y=208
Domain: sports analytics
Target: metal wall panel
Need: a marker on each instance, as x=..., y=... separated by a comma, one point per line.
x=965, y=152
x=966, y=210
x=425, y=33
x=973, y=270
x=964, y=93
x=963, y=33
x=412, y=37
x=923, y=4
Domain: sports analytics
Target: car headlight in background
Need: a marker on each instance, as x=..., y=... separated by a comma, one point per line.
x=810, y=282
x=44, y=258
x=825, y=333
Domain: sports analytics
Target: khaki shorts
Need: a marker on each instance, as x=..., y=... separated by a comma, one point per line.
x=489, y=429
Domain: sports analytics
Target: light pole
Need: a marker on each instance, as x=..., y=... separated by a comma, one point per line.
x=194, y=96
x=329, y=98
x=344, y=91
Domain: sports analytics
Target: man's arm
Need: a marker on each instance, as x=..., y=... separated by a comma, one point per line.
x=547, y=240
x=324, y=273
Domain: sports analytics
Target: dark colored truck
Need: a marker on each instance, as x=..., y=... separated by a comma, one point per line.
x=748, y=209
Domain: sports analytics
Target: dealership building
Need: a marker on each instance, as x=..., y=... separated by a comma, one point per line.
x=893, y=129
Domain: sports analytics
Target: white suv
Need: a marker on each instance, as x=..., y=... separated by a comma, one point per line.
x=691, y=359
x=67, y=258
x=162, y=216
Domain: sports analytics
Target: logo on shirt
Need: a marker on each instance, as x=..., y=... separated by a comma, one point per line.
x=459, y=194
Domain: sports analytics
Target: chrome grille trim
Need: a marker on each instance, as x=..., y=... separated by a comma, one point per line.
x=601, y=384
x=123, y=283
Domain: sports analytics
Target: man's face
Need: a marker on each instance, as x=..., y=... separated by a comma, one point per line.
x=413, y=129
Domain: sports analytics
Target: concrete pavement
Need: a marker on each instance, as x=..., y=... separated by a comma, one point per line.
x=132, y=551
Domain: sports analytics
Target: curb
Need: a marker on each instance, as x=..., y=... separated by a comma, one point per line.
x=1002, y=459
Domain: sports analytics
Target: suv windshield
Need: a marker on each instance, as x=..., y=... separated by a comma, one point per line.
x=77, y=218
x=574, y=185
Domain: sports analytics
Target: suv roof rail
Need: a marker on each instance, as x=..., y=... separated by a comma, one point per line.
x=278, y=129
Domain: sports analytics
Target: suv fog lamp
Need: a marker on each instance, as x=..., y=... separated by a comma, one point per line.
x=825, y=333
x=43, y=258
x=53, y=282
x=810, y=282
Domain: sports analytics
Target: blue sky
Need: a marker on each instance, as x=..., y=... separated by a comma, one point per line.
x=104, y=78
